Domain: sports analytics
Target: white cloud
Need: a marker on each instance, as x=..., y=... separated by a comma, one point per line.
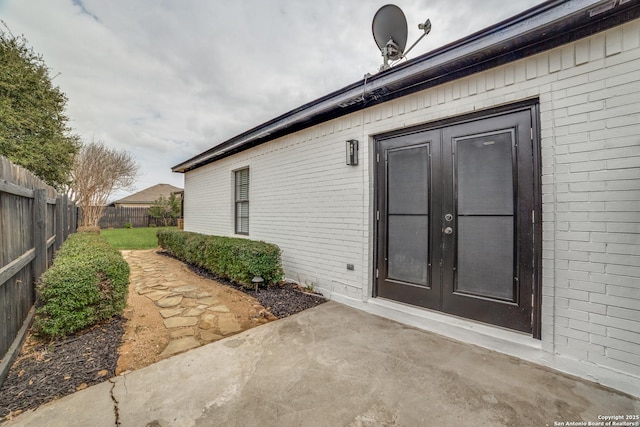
x=167, y=80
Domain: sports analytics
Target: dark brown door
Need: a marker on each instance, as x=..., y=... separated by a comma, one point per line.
x=454, y=226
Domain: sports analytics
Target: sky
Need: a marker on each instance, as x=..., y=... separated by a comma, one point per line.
x=168, y=79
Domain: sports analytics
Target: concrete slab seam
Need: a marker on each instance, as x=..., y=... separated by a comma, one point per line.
x=116, y=410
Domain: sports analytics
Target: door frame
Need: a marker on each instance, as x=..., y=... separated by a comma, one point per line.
x=530, y=105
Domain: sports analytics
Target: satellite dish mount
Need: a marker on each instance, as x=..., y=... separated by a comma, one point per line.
x=390, y=32
x=391, y=51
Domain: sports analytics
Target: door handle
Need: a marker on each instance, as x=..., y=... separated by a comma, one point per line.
x=448, y=230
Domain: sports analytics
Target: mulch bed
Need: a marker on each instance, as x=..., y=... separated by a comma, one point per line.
x=54, y=369
x=282, y=300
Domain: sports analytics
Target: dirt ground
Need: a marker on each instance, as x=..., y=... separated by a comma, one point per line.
x=146, y=337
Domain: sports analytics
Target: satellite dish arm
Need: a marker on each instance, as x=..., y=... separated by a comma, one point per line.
x=427, y=29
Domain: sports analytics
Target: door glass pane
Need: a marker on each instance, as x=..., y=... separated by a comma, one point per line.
x=485, y=174
x=408, y=171
x=485, y=256
x=407, y=215
x=408, y=248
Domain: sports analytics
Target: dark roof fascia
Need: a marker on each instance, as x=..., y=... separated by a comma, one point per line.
x=541, y=28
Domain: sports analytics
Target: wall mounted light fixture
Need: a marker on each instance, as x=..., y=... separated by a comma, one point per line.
x=352, y=152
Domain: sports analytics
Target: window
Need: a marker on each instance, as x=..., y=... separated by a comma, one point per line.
x=242, y=201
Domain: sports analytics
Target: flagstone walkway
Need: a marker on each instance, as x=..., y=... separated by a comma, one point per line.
x=195, y=310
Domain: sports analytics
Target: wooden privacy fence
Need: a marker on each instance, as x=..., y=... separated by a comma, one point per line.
x=34, y=221
x=117, y=217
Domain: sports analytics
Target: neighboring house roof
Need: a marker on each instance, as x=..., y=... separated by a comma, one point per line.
x=543, y=27
x=149, y=195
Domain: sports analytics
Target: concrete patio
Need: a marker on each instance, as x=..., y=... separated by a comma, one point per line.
x=336, y=366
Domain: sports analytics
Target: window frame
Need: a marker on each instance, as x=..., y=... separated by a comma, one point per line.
x=238, y=201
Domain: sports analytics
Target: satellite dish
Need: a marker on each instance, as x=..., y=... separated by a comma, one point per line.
x=390, y=32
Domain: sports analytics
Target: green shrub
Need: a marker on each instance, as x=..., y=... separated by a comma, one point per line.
x=127, y=225
x=231, y=258
x=87, y=283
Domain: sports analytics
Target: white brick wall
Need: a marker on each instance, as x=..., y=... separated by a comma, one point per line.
x=318, y=210
x=302, y=197
x=591, y=144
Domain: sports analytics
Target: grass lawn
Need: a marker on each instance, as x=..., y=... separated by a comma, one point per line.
x=133, y=238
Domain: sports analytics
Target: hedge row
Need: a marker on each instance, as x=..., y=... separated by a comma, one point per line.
x=87, y=283
x=239, y=260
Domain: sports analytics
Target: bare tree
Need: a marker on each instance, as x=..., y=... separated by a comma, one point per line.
x=98, y=172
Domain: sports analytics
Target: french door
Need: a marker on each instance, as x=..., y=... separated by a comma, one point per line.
x=455, y=210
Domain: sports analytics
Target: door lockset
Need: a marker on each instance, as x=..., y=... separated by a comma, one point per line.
x=448, y=230
x=448, y=217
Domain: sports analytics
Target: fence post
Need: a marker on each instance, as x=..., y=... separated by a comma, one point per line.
x=65, y=217
x=60, y=209
x=39, y=232
x=74, y=217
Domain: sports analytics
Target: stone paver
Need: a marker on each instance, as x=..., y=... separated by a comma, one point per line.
x=179, y=345
x=208, y=301
x=169, y=301
x=157, y=295
x=182, y=332
x=170, y=312
x=207, y=321
x=197, y=294
x=180, y=322
x=185, y=288
x=219, y=308
x=209, y=336
x=193, y=311
x=192, y=315
x=228, y=324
